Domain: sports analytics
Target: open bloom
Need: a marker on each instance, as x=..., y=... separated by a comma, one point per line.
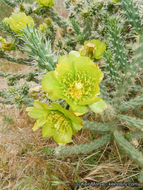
x=76, y=80
x=18, y=22
x=55, y=121
x=93, y=49
x=46, y=3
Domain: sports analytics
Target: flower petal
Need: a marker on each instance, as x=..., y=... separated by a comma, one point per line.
x=63, y=137
x=100, y=49
x=76, y=127
x=90, y=100
x=65, y=66
x=86, y=65
x=39, y=110
x=79, y=110
x=39, y=123
x=98, y=107
x=74, y=53
x=35, y=113
x=51, y=86
x=19, y=21
x=48, y=131
x=46, y=3
x=41, y=105
x=67, y=113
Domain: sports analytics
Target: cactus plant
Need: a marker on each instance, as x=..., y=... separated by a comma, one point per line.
x=119, y=25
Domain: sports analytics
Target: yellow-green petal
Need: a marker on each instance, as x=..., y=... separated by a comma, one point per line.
x=46, y=3
x=98, y=107
x=86, y=65
x=79, y=110
x=39, y=123
x=93, y=49
x=100, y=49
x=74, y=53
x=39, y=110
x=48, y=131
x=51, y=85
x=63, y=137
x=55, y=121
x=19, y=21
x=2, y=39
x=67, y=113
x=116, y=1
x=35, y=113
x=65, y=66
x=76, y=127
x=41, y=105
x=89, y=101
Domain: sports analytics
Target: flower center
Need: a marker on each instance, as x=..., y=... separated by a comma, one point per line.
x=58, y=121
x=79, y=87
x=75, y=90
x=56, y=126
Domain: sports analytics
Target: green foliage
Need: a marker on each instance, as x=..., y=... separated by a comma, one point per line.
x=141, y=177
x=16, y=60
x=17, y=95
x=75, y=26
x=132, y=14
x=14, y=3
x=50, y=12
x=11, y=3
x=112, y=67
x=13, y=78
x=38, y=48
x=97, y=127
x=134, y=123
x=132, y=104
x=128, y=148
x=117, y=44
x=83, y=148
x=134, y=135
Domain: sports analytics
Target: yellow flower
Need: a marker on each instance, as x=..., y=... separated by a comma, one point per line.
x=46, y=3
x=18, y=22
x=76, y=80
x=93, y=49
x=55, y=121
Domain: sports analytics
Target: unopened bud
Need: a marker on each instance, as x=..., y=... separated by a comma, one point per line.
x=70, y=30
x=7, y=46
x=48, y=21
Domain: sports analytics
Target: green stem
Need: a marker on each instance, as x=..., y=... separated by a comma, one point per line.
x=18, y=60
x=50, y=12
